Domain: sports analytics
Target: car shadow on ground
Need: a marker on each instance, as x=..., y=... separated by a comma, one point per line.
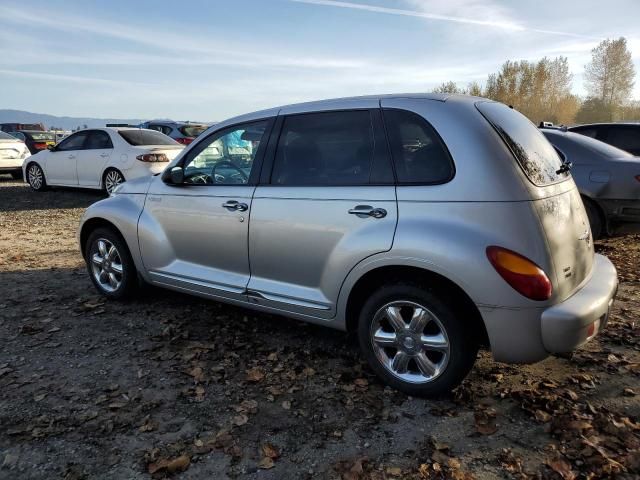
x=16, y=196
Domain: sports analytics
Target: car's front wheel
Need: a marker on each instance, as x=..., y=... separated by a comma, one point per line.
x=35, y=177
x=110, y=264
x=415, y=340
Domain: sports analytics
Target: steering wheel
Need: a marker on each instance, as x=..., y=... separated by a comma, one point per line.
x=240, y=173
x=200, y=179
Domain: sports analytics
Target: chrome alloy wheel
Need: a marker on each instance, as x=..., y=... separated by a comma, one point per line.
x=106, y=265
x=410, y=341
x=35, y=177
x=112, y=180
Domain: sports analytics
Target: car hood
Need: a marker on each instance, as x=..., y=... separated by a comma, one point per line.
x=136, y=186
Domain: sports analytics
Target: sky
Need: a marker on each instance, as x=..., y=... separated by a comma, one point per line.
x=210, y=60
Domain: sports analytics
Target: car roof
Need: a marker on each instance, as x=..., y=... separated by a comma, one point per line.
x=607, y=124
x=346, y=103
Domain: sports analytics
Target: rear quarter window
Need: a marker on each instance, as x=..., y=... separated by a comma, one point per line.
x=537, y=157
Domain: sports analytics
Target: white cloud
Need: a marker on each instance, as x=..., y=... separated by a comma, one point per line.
x=423, y=13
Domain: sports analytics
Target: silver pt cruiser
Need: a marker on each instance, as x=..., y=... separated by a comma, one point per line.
x=431, y=225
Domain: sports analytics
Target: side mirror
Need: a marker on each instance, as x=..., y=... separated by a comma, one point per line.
x=175, y=176
x=51, y=148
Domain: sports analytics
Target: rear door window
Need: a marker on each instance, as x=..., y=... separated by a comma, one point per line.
x=537, y=157
x=98, y=140
x=419, y=155
x=325, y=148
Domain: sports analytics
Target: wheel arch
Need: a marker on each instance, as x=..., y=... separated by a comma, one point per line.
x=104, y=175
x=601, y=212
x=91, y=225
x=380, y=275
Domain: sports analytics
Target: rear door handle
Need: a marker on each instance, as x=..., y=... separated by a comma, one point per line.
x=235, y=206
x=71, y=157
x=104, y=155
x=364, y=211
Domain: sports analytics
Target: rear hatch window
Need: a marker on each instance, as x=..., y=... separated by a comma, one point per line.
x=43, y=137
x=192, y=130
x=538, y=159
x=146, y=137
x=560, y=211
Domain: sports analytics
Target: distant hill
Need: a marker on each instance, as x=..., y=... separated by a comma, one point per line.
x=65, y=123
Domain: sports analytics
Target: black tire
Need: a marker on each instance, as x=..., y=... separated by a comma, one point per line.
x=596, y=219
x=17, y=175
x=35, y=177
x=106, y=180
x=127, y=280
x=462, y=346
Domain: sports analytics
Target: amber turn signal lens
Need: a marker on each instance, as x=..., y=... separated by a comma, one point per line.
x=520, y=273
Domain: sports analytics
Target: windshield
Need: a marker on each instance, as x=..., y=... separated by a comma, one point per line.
x=537, y=157
x=6, y=136
x=597, y=146
x=192, y=130
x=146, y=137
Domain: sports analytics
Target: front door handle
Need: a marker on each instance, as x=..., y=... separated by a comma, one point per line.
x=71, y=157
x=235, y=206
x=364, y=211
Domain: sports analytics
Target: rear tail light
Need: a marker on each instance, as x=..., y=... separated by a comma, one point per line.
x=153, y=157
x=184, y=140
x=520, y=273
x=39, y=146
x=637, y=177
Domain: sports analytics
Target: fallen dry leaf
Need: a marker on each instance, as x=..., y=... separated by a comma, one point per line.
x=178, y=464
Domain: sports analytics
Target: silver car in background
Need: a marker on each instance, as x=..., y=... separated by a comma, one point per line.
x=430, y=225
x=608, y=178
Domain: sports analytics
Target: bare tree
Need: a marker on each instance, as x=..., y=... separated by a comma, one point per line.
x=448, y=87
x=609, y=76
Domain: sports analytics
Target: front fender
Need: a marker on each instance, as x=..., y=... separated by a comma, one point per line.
x=122, y=211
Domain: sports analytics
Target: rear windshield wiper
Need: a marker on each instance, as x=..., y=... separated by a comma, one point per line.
x=565, y=167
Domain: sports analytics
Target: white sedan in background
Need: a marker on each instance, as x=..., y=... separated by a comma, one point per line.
x=101, y=158
x=12, y=154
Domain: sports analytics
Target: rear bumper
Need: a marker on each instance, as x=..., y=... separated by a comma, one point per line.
x=578, y=319
x=529, y=335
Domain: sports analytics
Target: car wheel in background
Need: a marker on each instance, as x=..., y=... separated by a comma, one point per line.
x=35, y=177
x=596, y=219
x=111, y=179
x=415, y=340
x=110, y=265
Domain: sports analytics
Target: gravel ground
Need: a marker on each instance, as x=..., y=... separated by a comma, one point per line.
x=171, y=385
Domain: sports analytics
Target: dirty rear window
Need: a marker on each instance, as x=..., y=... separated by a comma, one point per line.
x=537, y=157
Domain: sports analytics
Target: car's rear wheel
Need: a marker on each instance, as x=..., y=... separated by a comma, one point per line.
x=596, y=219
x=415, y=340
x=111, y=179
x=110, y=265
x=35, y=177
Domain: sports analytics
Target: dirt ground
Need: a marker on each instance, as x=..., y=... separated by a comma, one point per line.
x=169, y=384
